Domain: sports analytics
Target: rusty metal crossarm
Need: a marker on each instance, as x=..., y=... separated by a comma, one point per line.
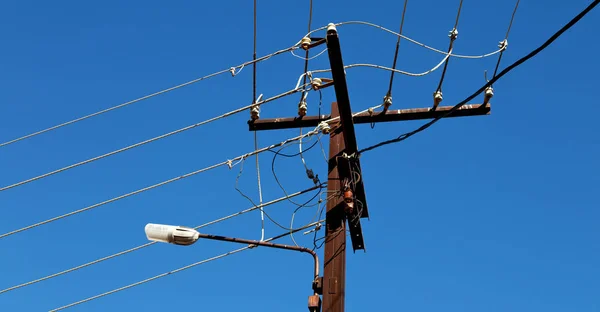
x=367, y=118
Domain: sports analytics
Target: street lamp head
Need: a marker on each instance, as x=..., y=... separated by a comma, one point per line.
x=178, y=235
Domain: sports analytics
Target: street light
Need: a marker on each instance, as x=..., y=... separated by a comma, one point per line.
x=181, y=235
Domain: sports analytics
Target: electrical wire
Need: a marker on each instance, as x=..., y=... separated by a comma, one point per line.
x=187, y=175
x=317, y=214
x=45, y=175
x=178, y=270
x=278, y=152
x=406, y=38
x=489, y=83
x=400, y=71
x=230, y=70
x=309, y=58
x=389, y=93
x=275, y=201
x=294, y=216
x=262, y=210
x=506, y=37
x=453, y=35
x=319, y=137
x=303, y=95
x=260, y=196
x=310, y=73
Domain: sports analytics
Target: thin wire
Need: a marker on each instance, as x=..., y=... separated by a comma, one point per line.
x=254, y=58
x=252, y=202
x=381, y=67
x=389, y=93
x=506, y=37
x=317, y=213
x=310, y=58
x=399, y=71
x=152, y=243
x=319, y=137
x=300, y=152
x=410, y=40
x=302, y=96
x=241, y=66
x=260, y=197
x=148, y=141
x=489, y=83
x=452, y=39
x=177, y=270
x=187, y=175
x=278, y=152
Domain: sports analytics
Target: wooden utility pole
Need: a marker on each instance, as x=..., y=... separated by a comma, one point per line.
x=345, y=179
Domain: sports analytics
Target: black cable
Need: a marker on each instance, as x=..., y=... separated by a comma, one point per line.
x=320, y=218
x=320, y=187
x=307, y=50
x=320, y=102
x=278, y=152
x=389, y=93
x=502, y=73
x=439, y=88
x=506, y=37
x=292, y=155
x=300, y=206
x=254, y=58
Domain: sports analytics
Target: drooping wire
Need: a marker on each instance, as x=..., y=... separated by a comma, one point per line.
x=320, y=186
x=489, y=83
x=406, y=38
x=45, y=175
x=385, y=68
x=278, y=153
x=310, y=58
x=124, y=252
x=389, y=93
x=179, y=269
x=187, y=175
x=230, y=70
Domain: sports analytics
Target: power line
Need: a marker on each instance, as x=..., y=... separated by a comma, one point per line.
x=309, y=58
x=505, y=42
x=453, y=35
x=316, y=71
x=233, y=112
x=230, y=70
x=406, y=38
x=254, y=99
x=180, y=269
x=262, y=211
x=389, y=93
x=152, y=243
x=187, y=175
x=494, y=79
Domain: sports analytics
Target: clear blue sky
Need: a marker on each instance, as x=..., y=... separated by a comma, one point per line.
x=495, y=213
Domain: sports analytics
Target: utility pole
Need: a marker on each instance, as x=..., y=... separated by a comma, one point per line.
x=345, y=178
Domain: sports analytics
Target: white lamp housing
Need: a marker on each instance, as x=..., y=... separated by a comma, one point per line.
x=178, y=235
